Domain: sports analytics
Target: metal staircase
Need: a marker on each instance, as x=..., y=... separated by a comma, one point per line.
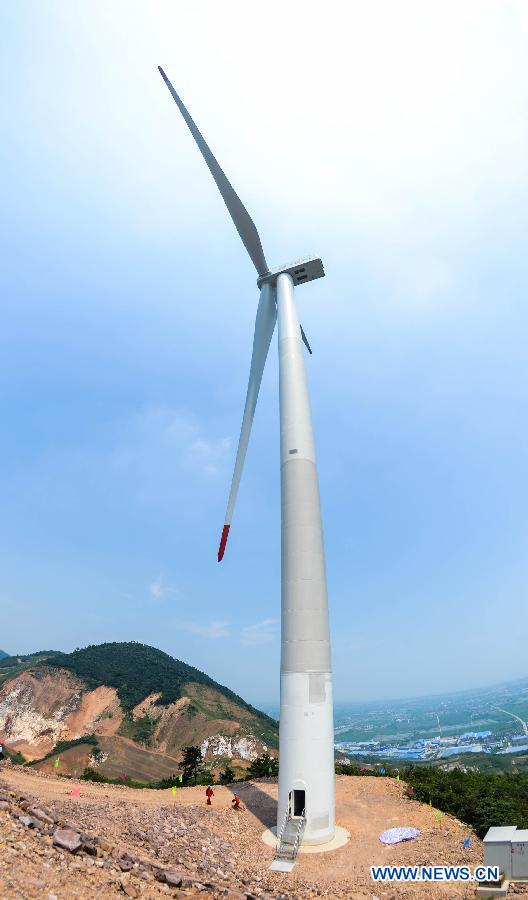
x=288, y=841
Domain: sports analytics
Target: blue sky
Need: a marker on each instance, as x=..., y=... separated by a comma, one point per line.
x=392, y=140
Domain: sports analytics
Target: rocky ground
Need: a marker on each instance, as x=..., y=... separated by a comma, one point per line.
x=113, y=840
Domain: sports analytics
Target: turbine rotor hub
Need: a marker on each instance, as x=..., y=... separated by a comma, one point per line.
x=301, y=271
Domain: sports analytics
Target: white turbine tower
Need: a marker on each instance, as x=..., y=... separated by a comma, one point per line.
x=306, y=734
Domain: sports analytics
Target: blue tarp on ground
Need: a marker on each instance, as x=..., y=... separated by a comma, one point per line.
x=395, y=835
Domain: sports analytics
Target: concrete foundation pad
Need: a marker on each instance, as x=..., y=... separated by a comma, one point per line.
x=489, y=892
x=282, y=865
x=340, y=838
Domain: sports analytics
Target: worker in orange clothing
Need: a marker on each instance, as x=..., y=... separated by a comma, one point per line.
x=209, y=793
x=235, y=802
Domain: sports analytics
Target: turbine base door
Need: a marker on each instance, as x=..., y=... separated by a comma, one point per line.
x=297, y=804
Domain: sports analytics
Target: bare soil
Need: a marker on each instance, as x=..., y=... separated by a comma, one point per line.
x=98, y=710
x=217, y=844
x=44, y=705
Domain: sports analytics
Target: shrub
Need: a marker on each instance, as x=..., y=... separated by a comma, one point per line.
x=164, y=783
x=479, y=799
x=90, y=774
x=264, y=766
x=228, y=775
x=16, y=756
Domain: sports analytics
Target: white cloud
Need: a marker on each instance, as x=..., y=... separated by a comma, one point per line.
x=159, y=440
x=211, y=630
x=174, y=435
x=264, y=632
x=158, y=590
x=207, y=455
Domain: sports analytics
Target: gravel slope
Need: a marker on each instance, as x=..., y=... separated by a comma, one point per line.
x=216, y=846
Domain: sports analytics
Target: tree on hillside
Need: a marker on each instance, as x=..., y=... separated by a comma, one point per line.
x=264, y=766
x=191, y=762
x=228, y=775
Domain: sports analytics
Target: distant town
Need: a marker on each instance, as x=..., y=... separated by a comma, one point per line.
x=439, y=747
x=482, y=729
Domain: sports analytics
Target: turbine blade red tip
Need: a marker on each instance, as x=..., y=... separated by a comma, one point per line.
x=223, y=542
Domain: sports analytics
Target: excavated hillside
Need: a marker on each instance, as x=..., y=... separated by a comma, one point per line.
x=92, y=693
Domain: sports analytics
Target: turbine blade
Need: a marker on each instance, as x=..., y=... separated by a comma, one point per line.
x=238, y=212
x=264, y=327
x=305, y=340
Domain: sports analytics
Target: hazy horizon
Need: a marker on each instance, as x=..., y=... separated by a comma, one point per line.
x=271, y=703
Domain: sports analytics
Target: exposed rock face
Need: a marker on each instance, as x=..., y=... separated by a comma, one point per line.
x=246, y=747
x=44, y=705
x=169, y=721
x=98, y=711
x=148, y=707
x=34, y=708
x=183, y=717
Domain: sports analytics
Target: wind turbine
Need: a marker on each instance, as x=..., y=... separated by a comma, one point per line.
x=306, y=733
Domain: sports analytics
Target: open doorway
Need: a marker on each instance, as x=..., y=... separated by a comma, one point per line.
x=297, y=803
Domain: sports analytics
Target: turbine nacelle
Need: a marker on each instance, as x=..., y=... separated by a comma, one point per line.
x=301, y=271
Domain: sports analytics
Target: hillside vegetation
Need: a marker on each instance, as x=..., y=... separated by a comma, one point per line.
x=481, y=800
x=11, y=666
x=24, y=658
x=136, y=670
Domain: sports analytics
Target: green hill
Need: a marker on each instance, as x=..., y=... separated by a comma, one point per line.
x=136, y=670
x=7, y=661
x=11, y=666
x=144, y=740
